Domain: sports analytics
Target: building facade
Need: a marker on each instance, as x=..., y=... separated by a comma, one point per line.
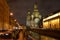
x=52, y=21
x=4, y=15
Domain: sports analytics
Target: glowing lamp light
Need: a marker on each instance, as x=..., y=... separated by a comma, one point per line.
x=32, y=16
x=6, y=34
x=11, y=14
x=15, y=27
x=15, y=20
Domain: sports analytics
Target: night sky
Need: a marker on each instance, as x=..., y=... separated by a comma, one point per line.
x=20, y=8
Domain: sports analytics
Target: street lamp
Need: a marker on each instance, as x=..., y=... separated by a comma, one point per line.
x=15, y=20
x=11, y=14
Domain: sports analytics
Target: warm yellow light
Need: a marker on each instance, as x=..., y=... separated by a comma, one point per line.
x=15, y=20
x=53, y=16
x=11, y=14
x=1, y=33
x=32, y=16
x=18, y=24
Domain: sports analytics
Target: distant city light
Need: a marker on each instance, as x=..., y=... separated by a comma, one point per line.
x=6, y=34
x=15, y=20
x=15, y=27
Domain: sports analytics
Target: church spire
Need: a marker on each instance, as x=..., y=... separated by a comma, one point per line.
x=28, y=18
x=35, y=7
x=28, y=14
x=28, y=11
x=36, y=12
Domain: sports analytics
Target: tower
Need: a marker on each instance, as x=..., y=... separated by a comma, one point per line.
x=28, y=18
x=35, y=16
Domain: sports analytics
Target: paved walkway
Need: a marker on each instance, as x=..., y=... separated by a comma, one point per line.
x=21, y=36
